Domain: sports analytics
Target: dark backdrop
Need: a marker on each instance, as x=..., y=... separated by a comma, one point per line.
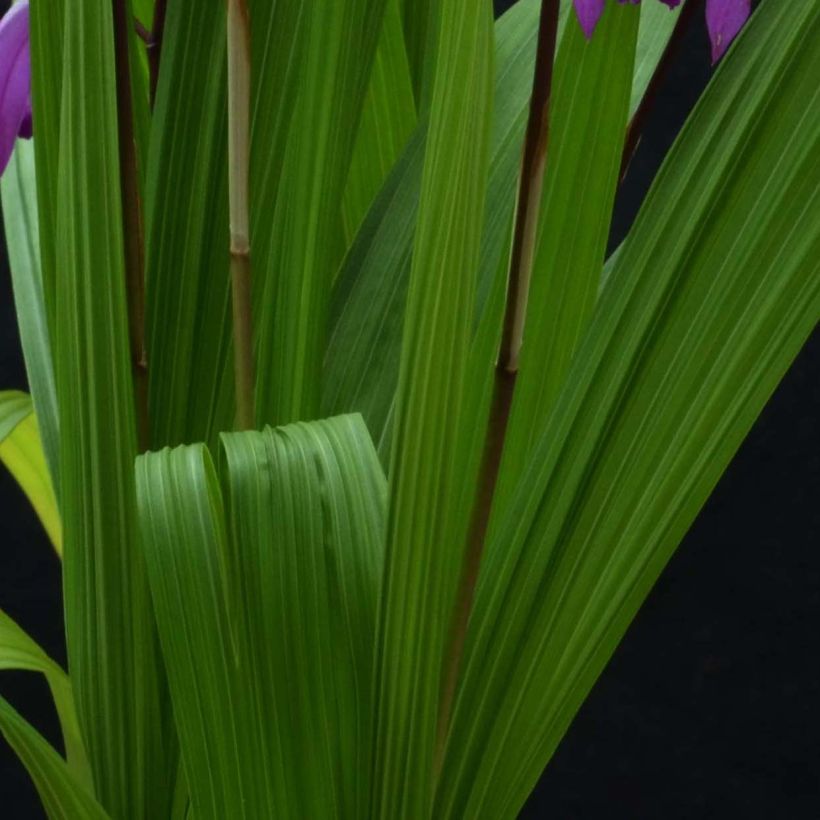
x=709, y=708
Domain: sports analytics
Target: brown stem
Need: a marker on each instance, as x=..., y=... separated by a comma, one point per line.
x=526, y=221
x=239, y=92
x=132, y=221
x=638, y=121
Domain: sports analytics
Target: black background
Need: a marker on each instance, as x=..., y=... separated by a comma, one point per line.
x=709, y=708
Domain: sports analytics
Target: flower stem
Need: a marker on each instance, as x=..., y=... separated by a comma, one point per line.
x=521, y=260
x=239, y=91
x=133, y=237
x=638, y=121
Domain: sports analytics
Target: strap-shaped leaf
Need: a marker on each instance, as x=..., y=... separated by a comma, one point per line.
x=710, y=298
x=19, y=193
x=19, y=651
x=46, y=31
x=294, y=249
x=113, y=657
x=22, y=452
x=188, y=287
x=63, y=796
x=388, y=120
x=425, y=529
x=267, y=616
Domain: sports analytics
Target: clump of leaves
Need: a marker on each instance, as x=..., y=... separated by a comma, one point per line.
x=359, y=453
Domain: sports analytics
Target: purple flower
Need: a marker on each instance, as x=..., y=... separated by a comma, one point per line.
x=15, y=80
x=724, y=19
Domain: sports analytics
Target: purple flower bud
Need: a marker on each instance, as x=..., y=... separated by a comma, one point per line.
x=15, y=80
x=724, y=19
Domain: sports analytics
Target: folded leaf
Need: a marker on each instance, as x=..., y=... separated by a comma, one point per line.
x=290, y=562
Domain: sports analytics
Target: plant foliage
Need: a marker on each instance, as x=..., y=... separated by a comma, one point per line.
x=303, y=619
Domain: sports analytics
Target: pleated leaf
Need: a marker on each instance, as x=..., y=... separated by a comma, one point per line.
x=266, y=605
x=113, y=657
x=19, y=195
x=709, y=301
x=425, y=531
x=21, y=451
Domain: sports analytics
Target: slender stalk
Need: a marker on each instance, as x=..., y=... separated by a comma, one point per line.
x=639, y=118
x=521, y=260
x=239, y=92
x=155, y=47
x=133, y=235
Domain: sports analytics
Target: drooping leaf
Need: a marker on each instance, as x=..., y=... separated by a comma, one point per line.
x=19, y=651
x=113, y=657
x=710, y=298
x=62, y=794
x=19, y=193
x=22, y=452
x=424, y=531
x=291, y=562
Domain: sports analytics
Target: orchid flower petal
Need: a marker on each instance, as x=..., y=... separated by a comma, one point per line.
x=724, y=19
x=589, y=12
x=15, y=80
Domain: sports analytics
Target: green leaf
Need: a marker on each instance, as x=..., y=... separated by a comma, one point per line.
x=588, y=117
x=19, y=193
x=62, y=795
x=19, y=651
x=188, y=286
x=113, y=656
x=294, y=567
x=709, y=301
x=424, y=531
x=369, y=296
x=294, y=253
x=419, y=19
x=387, y=122
x=22, y=452
x=47, y=37
x=367, y=308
